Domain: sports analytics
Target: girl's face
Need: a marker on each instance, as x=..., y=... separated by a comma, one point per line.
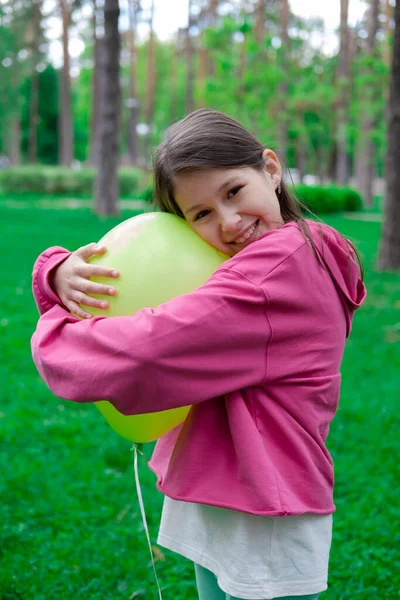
x=231, y=208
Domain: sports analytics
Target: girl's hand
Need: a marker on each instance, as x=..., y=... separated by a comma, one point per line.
x=70, y=281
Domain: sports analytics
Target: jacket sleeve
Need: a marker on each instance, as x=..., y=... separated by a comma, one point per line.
x=44, y=296
x=195, y=347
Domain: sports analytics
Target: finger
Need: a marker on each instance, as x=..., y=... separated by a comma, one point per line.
x=76, y=310
x=82, y=298
x=89, y=250
x=87, y=271
x=91, y=287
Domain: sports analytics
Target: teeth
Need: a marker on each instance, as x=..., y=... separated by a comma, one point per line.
x=246, y=235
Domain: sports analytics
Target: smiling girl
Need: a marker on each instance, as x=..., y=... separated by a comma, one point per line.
x=248, y=480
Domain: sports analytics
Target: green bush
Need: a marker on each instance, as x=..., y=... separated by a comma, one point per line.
x=328, y=199
x=131, y=181
x=64, y=181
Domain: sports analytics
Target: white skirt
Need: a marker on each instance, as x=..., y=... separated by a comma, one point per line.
x=254, y=557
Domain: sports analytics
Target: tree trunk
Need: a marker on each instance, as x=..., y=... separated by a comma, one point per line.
x=301, y=152
x=173, y=103
x=212, y=21
x=213, y=11
x=65, y=123
x=206, y=68
x=365, y=148
x=202, y=77
x=15, y=132
x=33, y=117
x=342, y=161
x=14, y=143
x=242, y=63
x=389, y=251
x=189, y=99
x=98, y=95
x=133, y=100
x=260, y=20
x=283, y=86
x=387, y=47
x=151, y=85
x=96, y=92
x=106, y=183
x=34, y=99
x=322, y=164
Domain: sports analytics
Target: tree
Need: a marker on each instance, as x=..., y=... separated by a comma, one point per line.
x=342, y=163
x=65, y=122
x=134, y=8
x=13, y=39
x=233, y=68
x=93, y=148
x=283, y=86
x=97, y=84
x=14, y=139
x=259, y=21
x=367, y=108
x=211, y=21
x=33, y=35
x=206, y=19
x=151, y=83
x=173, y=108
x=48, y=116
x=242, y=59
x=190, y=53
x=388, y=28
x=106, y=184
x=389, y=251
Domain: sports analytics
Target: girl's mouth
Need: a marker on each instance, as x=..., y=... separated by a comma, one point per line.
x=246, y=236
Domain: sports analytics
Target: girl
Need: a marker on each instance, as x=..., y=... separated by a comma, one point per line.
x=248, y=480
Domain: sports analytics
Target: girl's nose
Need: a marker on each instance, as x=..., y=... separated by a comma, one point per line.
x=230, y=222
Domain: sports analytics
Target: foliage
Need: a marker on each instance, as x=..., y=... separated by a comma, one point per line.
x=71, y=525
x=23, y=48
x=81, y=109
x=245, y=80
x=328, y=199
x=64, y=181
x=48, y=110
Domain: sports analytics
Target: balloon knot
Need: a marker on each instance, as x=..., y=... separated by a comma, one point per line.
x=137, y=447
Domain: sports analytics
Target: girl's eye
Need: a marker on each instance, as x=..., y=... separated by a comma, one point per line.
x=234, y=191
x=201, y=214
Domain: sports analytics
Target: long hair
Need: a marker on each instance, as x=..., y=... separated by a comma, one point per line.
x=208, y=139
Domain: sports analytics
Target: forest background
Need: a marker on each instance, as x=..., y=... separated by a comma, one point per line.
x=76, y=138
x=329, y=115
x=256, y=60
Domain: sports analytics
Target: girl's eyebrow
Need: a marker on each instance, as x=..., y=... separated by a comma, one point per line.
x=226, y=184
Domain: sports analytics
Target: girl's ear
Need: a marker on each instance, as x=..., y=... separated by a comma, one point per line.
x=272, y=166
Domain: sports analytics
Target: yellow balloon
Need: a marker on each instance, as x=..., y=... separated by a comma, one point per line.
x=158, y=257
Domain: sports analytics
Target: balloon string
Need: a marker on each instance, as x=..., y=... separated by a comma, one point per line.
x=141, y=504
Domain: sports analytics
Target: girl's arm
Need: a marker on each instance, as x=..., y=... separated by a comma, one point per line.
x=195, y=347
x=62, y=277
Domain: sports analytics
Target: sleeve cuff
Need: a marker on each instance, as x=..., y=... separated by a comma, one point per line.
x=44, y=295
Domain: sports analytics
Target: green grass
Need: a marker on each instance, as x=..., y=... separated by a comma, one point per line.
x=70, y=521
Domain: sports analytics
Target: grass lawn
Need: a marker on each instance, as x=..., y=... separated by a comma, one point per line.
x=71, y=526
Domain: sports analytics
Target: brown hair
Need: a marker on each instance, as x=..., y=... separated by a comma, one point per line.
x=207, y=139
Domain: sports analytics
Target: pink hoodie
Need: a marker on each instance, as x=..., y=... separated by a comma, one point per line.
x=256, y=351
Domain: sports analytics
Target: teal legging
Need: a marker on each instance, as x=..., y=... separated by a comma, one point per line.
x=209, y=589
